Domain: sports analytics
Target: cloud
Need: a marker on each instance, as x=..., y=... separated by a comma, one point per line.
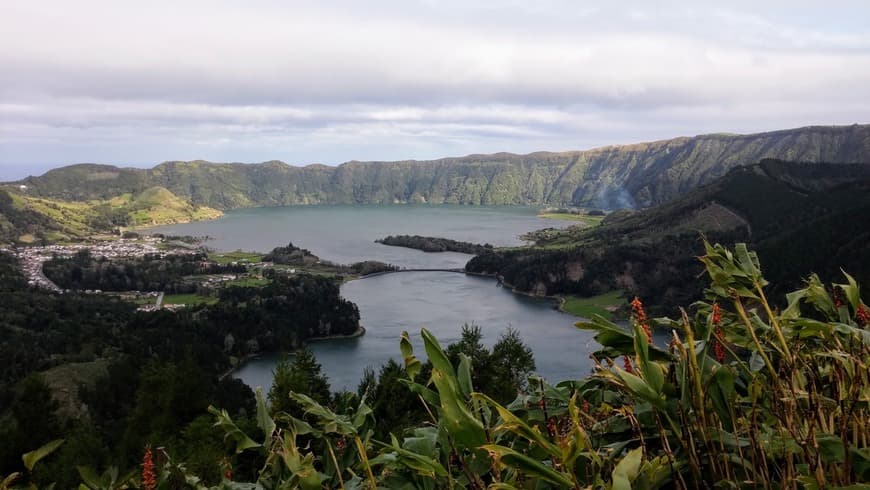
x=311, y=81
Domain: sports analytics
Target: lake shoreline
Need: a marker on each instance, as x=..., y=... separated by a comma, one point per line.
x=555, y=298
x=359, y=332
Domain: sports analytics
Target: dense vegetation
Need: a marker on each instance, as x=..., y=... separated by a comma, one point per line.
x=612, y=177
x=109, y=379
x=434, y=244
x=800, y=218
x=745, y=395
x=150, y=272
x=290, y=255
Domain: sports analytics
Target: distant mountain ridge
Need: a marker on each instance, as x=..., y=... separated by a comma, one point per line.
x=637, y=175
x=799, y=218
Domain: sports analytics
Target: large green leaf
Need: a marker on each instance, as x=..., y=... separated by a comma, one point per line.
x=424, y=441
x=615, y=340
x=510, y=422
x=463, y=375
x=301, y=467
x=422, y=464
x=412, y=364
x=232, y=431
x=428, y=395
x=466, y=430
x=627, y=469
x=264, y=420
x=721, y=392
x=640, y=388
x=531, y=467
x=328, y=420
x=89, y=477
x=652, y=372
x=30, y=459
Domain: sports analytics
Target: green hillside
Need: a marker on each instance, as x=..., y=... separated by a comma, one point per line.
x=157, y=205
x=639, y=175
x=28, y=219
x=800, y=218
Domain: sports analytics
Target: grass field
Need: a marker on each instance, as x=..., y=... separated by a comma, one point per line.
x=583, y=218
x=188, y=299
x=237, y=256
x=586, y=307
x=248, y=282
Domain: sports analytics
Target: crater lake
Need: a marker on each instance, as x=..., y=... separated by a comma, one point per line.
x=442, y=302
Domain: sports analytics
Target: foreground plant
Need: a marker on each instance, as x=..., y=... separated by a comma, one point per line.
x=745, y=395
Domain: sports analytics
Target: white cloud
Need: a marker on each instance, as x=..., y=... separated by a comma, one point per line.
x=306, y=81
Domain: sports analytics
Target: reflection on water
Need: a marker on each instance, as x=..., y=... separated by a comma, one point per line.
x=347, y=234
x=441, y=302
x=389, y=304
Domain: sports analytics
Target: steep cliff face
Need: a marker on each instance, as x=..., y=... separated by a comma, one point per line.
x=640, y=175
x=799, y=218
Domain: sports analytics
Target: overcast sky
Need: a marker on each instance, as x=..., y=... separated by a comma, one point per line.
x=137, y=83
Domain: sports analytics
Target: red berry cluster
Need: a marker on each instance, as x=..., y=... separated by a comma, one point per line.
x=640, y=318
x=626, y=363
x=862, y=316
x=837, y=294
x=149, y=478
x=718, y=347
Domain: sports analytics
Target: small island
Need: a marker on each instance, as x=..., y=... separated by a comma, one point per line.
x=435, y=244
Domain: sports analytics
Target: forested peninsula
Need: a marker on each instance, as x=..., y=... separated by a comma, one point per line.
x=434, y=244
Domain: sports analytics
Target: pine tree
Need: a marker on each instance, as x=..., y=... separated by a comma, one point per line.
x=302, y=375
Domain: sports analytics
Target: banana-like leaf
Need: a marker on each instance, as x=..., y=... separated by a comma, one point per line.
x=6, y=483
x=428, y=395
x=627, y=469
x=30, y=459
x=652, y=372
x=640, y=388
x=412, y=364
x=721, y=392
x=232, y=431
x=424, y=441
x=616, y=340
x=511, y=423
x=302, y=467
x=531, y=467
x=463, y=375
x=466, y=430
x=363, y=413
x=264, y=420
x=328, y=420
x=423, y=465
x=852, y=291
x=89, y=477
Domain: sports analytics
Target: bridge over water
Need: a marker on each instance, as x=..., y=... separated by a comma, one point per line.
x=460, y=271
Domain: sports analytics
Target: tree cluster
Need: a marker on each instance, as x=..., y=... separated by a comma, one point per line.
x=151, y=272
x=434, y=244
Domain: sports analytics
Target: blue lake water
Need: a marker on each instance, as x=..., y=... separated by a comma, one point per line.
x=439, y=301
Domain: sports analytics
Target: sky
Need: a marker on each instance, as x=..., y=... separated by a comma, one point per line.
x=138, y=83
